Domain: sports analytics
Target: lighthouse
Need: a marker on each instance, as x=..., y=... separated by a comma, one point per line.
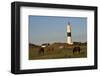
x=69, y=37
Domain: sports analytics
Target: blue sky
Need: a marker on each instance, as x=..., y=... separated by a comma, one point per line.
x=49, y=29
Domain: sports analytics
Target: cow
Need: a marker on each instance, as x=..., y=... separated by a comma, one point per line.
x=76, y=49
x=41, y=51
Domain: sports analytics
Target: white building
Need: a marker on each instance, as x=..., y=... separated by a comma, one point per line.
x=69, y=37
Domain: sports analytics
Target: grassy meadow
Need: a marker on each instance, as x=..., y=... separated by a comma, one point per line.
x=56, y=51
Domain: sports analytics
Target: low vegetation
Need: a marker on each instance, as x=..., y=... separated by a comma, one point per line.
x=57, y=50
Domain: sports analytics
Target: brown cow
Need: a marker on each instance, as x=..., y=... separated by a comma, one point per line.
x=76, y=49
x=41, y=51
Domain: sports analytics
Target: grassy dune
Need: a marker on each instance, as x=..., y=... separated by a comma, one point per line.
x=56, y=53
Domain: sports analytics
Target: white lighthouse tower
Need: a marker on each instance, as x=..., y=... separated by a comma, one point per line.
x=69, y=37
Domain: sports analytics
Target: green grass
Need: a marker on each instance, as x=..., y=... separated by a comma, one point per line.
x=57, y=53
